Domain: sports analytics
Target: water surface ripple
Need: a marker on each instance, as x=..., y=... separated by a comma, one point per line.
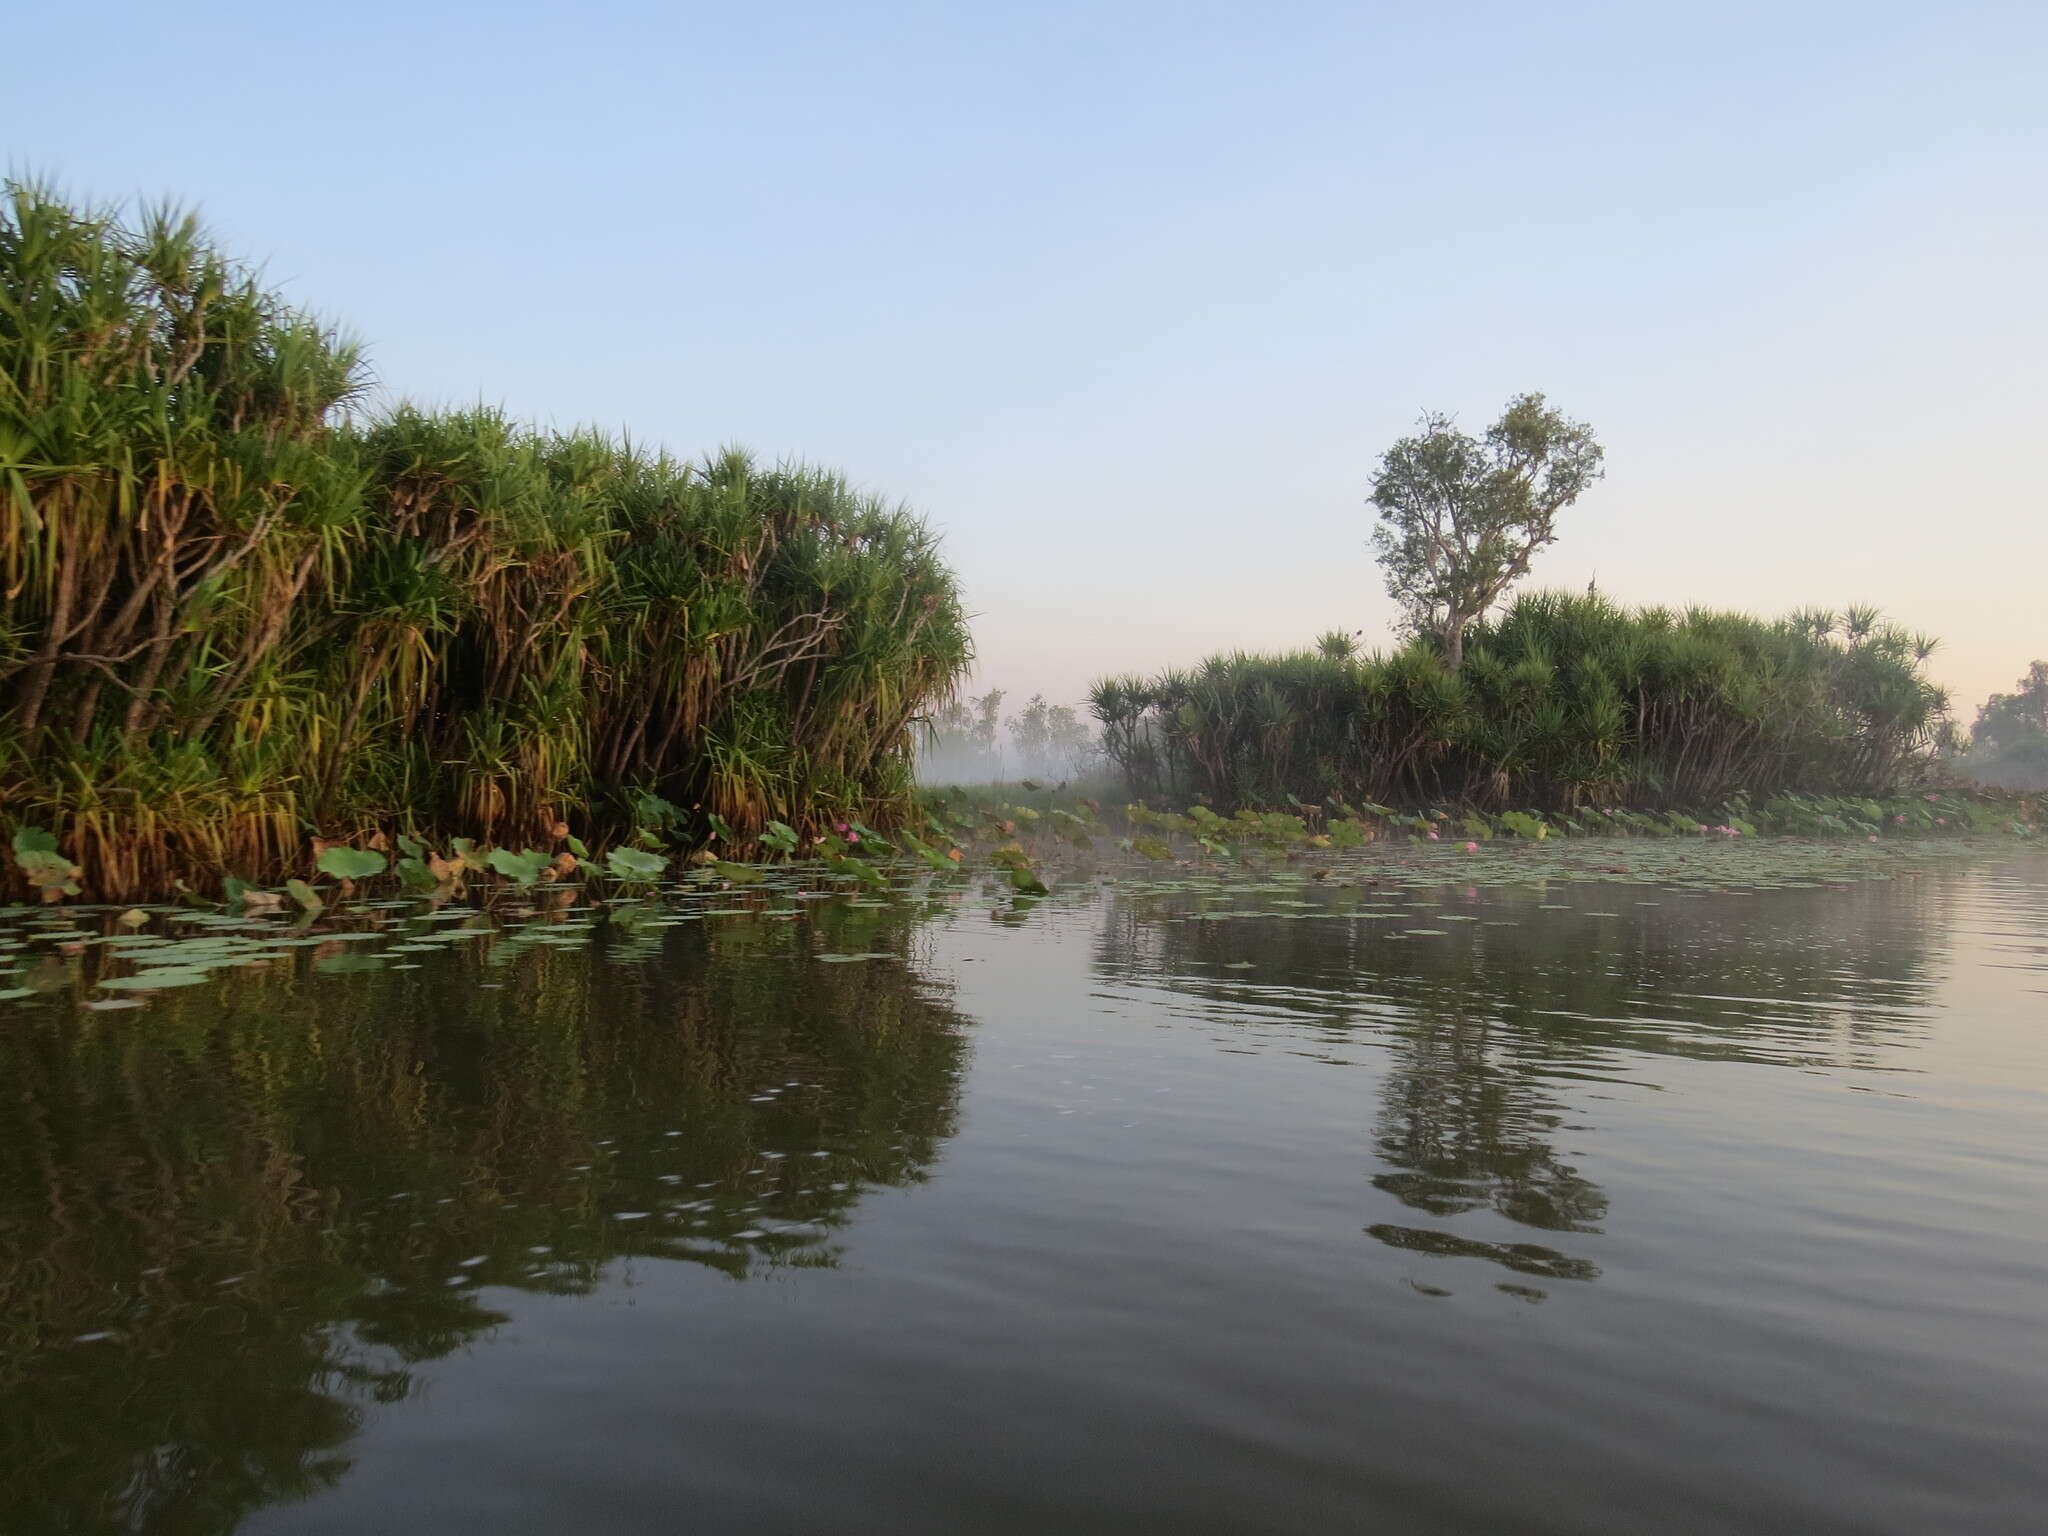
x=1175, y=1202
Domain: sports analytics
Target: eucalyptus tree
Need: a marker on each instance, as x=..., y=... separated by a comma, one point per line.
x=1460, y=518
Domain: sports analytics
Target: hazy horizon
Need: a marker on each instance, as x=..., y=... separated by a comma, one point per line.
x=1129, y=304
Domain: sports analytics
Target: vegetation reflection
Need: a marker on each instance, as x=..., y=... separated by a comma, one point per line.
x=1501, y=1007
x=230, y=1225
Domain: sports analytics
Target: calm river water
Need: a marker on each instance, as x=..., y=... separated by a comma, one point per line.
x=1558, y=1198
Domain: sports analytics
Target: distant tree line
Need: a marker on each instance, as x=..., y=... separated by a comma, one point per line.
x=2008, y=745
x=969, y=741
x=1555, y=700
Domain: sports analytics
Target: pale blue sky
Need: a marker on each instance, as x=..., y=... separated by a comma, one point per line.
x=1128, y=298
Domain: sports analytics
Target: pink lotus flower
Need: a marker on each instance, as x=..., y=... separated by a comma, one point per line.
x=1471, y=847
x=1941, y=821
x=1899, y=820
x=1431, y=834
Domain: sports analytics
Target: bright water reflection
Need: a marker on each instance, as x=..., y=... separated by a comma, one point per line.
x=1419, y=1205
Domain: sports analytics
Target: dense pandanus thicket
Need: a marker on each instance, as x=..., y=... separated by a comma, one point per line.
x=239, y=610
x=1560, y=701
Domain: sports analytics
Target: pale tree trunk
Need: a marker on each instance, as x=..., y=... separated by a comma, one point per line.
x=1454, y=642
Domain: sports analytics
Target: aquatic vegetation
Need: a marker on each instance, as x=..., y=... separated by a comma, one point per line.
x=1560, y=702
x=46, y=870
x=242, y=611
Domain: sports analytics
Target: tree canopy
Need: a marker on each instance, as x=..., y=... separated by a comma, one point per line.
x=2009, y=742
x=1462, y=517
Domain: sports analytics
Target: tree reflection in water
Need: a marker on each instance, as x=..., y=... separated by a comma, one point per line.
x=1489, y=1023
x=234, y=1221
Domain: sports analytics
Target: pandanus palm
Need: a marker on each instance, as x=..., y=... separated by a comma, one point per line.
x=1561, y=699
x=236, y=609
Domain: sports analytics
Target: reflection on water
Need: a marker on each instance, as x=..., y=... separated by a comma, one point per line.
x=248, y=1222
x=231, y=1225
x=1519, y=990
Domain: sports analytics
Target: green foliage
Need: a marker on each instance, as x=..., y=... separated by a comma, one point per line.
x=779, y=837
x=656, y=815
x=47, y=870
x=305, y=895
x=414, y=875
x=350, y=863
x=856, y=869
x=31, y=840
x=1017, y=866
x=240, y=608
x=2008, y=744
x=632, y=864
x=1525, y=826
x=1561, y=701
x=1462, y=517
x=871, y=841
x=916, y=845
x=522, y=869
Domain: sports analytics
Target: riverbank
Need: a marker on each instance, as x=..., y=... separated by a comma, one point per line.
x=1029, y=836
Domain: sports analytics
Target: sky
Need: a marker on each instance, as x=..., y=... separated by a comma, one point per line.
x=1127, y=299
